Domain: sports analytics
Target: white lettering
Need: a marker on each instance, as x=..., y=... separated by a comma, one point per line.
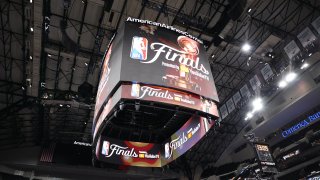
x=123, y=151
x=130, y=19
x=153, y=92
x=179, y=141
x=182, y=58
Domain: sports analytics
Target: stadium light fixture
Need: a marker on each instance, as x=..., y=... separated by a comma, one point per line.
x=304, y=65
x=282, y=84
x=290, y=77
x=246, y=47
x=257, y=104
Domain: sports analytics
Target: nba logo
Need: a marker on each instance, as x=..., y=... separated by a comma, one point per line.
x=167, y=153
x=139, y=48
x=105, y=148
x=135, y=90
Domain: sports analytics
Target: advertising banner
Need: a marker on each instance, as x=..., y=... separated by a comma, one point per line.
x=169, y=96
x=186, y=137
x=292, y=49
x=255, y=82
x=316, y=24
x=245, y=91
x=266, y=72
x=223, y=111
x=230, y=105
x=129, y=153
x=236, y=98
x=158, y=56
x=306, y=37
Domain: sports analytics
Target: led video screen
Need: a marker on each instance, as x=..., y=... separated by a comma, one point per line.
x=159, y=56
x=169, y=96
x=110, y=71
x=185, y=138
x=149, y=154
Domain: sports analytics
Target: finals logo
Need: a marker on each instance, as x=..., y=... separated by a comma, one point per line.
x=109, y=150
x=187, y=55
x=180, y=141
x=149, y=91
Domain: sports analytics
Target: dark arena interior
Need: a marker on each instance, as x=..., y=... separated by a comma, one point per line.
x=159, y=89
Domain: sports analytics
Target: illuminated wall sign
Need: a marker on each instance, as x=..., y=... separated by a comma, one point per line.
x=294, y=153
x=302, y=124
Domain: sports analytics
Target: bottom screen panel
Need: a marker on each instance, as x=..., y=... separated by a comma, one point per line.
x=153, y=155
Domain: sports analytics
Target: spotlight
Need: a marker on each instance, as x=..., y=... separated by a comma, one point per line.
x=291, y=76
x=49, y=55
x=246, y=47
x=249, y=10
x=30, y=57
x=212, y=56
x=249, y=115
x=31, y=29
x=310, y=54
x=249, y=58
x=257, y=104
x=30, y=1
x=304, y=65
x=282, y=84
x=61, y=105
x=68, y=105
x=45, y=95
x=86, y=64
x=22, y=88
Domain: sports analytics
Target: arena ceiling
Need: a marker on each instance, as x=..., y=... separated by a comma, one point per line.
x=49, y=48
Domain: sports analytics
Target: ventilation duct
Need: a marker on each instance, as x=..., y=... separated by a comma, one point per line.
x=231, y=13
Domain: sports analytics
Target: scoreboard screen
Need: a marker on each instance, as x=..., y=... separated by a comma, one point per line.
x=265, y=158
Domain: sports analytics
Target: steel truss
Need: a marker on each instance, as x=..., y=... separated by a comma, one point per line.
x=231, y=68
x=231, y=72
